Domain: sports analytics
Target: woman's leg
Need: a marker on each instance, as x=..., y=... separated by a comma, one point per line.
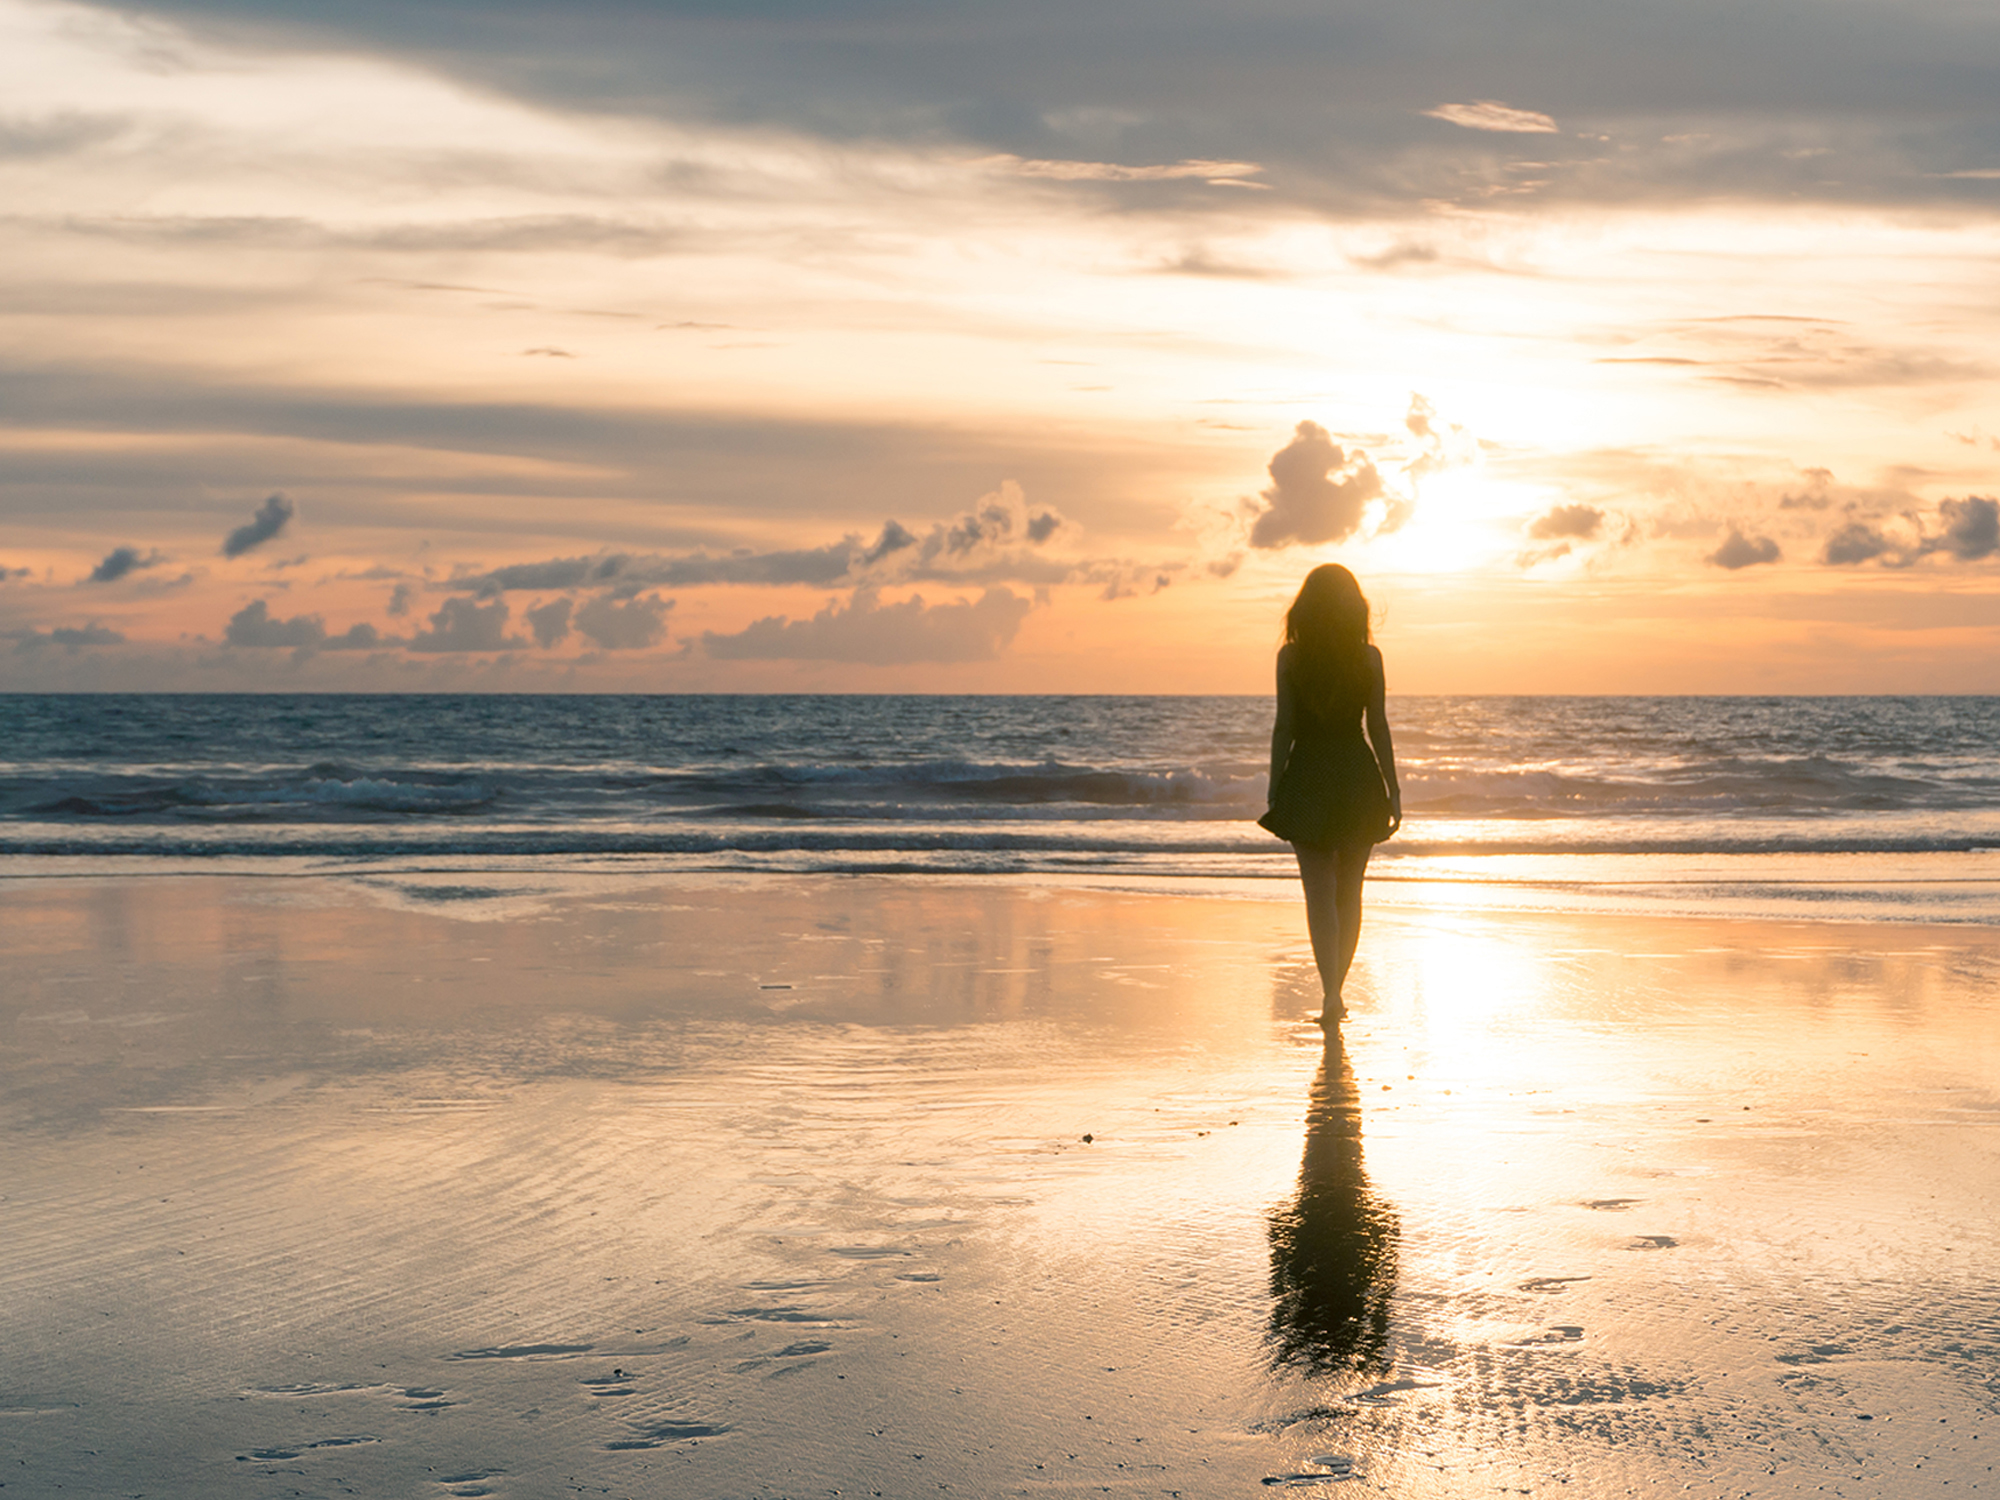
x=1319, y=873
x=1350, y=865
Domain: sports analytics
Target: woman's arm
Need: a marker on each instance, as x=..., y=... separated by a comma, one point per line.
x=1378, y=736
x=1281, y=726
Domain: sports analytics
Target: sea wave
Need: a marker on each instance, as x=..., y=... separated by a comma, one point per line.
x=841, y=783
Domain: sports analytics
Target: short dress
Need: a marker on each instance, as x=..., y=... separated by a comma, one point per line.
x=1330, y=793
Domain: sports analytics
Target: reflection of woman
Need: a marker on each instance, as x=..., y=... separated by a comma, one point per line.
x=1332, y=795
x=1333, y=1247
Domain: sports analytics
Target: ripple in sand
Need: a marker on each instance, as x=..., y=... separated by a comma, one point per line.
x=665, y=1434
x=770, y=1315
x=525, y=1351
x=1385, y=1393
x=1557, y=1334
x=300, y=1450
x=308, y=1388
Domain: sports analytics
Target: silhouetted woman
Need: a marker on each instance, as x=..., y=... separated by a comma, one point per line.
x=1332, y=796
x=1333, y=1246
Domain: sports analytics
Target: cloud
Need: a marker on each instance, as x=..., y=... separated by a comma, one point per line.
x=626, y=626
x=254, y=628
x=866, y=630
x=1216, y=173
x=1491, y=114
x=1337, y=105
x=1441, y=446
x=1580, y=521
x=1971, y=529
x=360, y=636
x=64, y=133
x=1970, y=532
x=71, y=638
x=1817, y=494
x=462, y=625
x=1318, y=491
x=121, y=561
x=1739, y=551
x=1856, y=542
x=549, y=622
x=994, y=542
x=401, y=597
x=270, y=519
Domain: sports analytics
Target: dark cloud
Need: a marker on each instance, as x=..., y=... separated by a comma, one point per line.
x=29, y=137
x=1856, y=542
x=524, y=234
x=1970, y=532
x=360, y=636
x=818, y=566
x=254, y=627
x=1971, y=529
x=271, y=518
x=1350, y=105
x=549, y=622
x=1739, y=551
x=462, y=625
x=1580, y=521
x=866, y=630
x=627, y=626
x=123, y=560
x=71, y=638
x=400, y=598
x=698, y=461
x=1318, y=491
x=992, y=543
x=895, y=537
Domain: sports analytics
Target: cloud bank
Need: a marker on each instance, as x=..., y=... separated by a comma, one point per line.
x=865, y=630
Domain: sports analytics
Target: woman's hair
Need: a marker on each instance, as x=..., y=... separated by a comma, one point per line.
x=1327, y=629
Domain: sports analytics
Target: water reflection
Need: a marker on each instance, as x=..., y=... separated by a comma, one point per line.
x=1333, y=1246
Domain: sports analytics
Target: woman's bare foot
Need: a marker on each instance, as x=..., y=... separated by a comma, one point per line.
x=1334, y=1014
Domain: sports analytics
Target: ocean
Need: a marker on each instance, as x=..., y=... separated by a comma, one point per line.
x=1823, y=806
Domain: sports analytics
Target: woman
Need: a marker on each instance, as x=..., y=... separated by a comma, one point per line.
x=1332, y=796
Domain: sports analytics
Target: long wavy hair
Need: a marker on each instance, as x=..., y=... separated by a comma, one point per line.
x=1327, y=629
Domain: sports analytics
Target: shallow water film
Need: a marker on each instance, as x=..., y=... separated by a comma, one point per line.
x=769, y=1187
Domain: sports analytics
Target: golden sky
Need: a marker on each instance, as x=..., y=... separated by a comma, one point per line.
x=885, y=346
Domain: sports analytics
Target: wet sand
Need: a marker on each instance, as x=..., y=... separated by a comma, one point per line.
x=800, y=1187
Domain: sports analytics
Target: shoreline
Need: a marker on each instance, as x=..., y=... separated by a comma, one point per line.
x=1950, y=889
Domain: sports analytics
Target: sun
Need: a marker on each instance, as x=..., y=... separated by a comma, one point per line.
x=1462, y=521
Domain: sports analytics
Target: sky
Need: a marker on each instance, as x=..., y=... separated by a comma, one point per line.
x=1618, y=346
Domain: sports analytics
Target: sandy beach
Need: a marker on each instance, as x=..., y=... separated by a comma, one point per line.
x=760, y=1187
